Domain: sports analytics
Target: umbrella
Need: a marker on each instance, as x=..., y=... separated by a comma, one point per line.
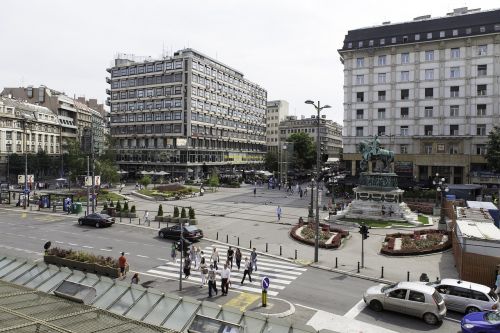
x=61, y=179
x=162, y=173
x=122, y=172
x=144, y=172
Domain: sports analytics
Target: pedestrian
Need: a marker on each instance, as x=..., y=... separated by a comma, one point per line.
x=230, y=254
x=253, y=258
x=173, y=253
x=238, y=258
x=225, y=278
x=203, y=272
x=122, y=263
x=135, y=278
x=301, y=193
x=212, y=283
x=279, y=186
x=215, y=258
x=254, y=191
x=278, y=213
x=497, y=283
x=146, y=217
x=187, y=267
x=248, y=270
x=192, y=252
x=197, y=257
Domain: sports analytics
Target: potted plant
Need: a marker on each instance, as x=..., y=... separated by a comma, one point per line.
x=175, y=219
x=184, y=218
x=159, y=214
x=192, y=216
x=132, y=212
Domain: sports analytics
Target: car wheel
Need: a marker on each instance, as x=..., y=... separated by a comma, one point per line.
x=430, y=318
x=471, y=309
x=376, y=306
x=161, y=234
x=80, y=222
x=97, y=225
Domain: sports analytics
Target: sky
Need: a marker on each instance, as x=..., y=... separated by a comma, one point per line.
x=288, y=47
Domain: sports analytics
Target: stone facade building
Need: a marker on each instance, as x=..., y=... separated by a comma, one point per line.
x=276, y=112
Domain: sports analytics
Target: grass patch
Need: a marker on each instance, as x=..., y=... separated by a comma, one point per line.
x=146, y=192
x=105, y=195
x=376, y=223
x=424, y=219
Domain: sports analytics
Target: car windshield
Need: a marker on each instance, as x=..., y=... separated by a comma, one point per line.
x=437, y=297
x=190, y=228
x=492, y=317
x=385, y=288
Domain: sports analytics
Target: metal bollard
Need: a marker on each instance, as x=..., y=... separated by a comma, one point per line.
x=336, y=262
x=295, y=254
x=139, y=221
x=159, y=225
x=250, y=243
x=217, y=236
x=382, y=273
x=281, y=252
x=266, y=247
x=227, y=238
x=238, y=241
x=408, y=276
x=358, y=266
x=129, y=219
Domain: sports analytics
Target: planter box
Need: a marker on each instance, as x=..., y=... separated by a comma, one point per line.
x=158, y=218
x=167, y=219
x=175, y=219
x=193, y=221
x=112, y=272
x=184, y=220
x=73, y=264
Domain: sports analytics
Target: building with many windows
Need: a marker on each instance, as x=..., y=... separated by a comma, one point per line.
x=428, y=88
x=185, y=114
x=277, y=111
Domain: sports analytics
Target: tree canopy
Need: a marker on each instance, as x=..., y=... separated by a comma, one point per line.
x=271, y=161
x=304, y=152
x=493, y=148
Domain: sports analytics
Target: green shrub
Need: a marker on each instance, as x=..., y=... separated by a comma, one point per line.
x=160, y=210
x=118, y=206
x=176, y=211
x=191, y=213
x=105, y=205
x=111, y=204
x=132, y=210
x=125, y=206
x=183, y=213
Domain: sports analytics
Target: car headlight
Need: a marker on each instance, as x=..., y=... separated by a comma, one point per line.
x=468, y=326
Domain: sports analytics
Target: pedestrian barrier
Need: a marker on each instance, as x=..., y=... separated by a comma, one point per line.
x=336, y=262
x=408, y=276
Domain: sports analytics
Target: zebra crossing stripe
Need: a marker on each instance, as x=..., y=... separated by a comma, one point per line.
x=208, y=251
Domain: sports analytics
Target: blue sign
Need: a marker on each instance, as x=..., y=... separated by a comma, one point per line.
x=265, y=283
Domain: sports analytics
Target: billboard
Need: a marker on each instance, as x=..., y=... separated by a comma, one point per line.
x=88, y=180
x=21, y=180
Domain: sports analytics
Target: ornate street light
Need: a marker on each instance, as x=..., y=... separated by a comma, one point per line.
x=442, y=189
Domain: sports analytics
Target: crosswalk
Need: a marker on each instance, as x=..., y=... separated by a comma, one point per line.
x=280, y=273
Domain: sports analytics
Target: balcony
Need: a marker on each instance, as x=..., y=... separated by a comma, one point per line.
x=108, y=92
x=108, y=80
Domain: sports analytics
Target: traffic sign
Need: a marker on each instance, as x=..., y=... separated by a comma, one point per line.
x=265, y=283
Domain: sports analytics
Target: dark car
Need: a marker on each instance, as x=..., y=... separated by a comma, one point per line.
x=190, y=232
x=97, y=220
x=481, y=322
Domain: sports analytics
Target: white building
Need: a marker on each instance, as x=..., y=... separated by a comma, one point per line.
x=276, y=112
x=429, y=88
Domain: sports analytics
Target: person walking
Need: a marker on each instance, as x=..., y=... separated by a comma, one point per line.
x=122, y=263
x=203, y=272
x=192, y=253
x=254, y=191
x=215, y=258
x=278, y=213
x=197, y=257
x=238, y=258
x=135, y=279
x=248, y=270
x=187, y=267
x=230, y=254
x=146, y=217
x=173, y=253
x=212, y=283
x=225, y=278
x=253, y=258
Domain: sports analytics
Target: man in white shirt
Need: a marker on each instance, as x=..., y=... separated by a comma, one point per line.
x=225, y=275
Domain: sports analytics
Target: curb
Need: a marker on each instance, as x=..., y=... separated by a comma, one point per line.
x=286, y=313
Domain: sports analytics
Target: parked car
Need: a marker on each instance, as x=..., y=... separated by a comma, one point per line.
x=411, y=298
x=466, y=297
x=97, y=220
x=190, y=232
x=481, y=322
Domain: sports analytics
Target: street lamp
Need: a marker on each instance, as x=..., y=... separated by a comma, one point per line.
x=318, y=108
x=25, y=123
x=441, y=187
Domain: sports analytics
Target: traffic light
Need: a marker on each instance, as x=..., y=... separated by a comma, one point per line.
x=363, y=230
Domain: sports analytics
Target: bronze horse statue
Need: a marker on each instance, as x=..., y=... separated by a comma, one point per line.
x=372, y=151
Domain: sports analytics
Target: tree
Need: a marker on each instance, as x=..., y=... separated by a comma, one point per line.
x=145, y=181
x=214, y=179
x=176, y=211
x=118, y=206
x=160, y=210
x=191, y=213
x=271, y=161
x=493, y=149
x=183, y=213
x=304, y=152
x=74, y=159
x=107, y=170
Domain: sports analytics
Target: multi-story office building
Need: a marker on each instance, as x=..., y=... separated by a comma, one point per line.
x=26, y=127
x=181, y=113
x=429, y=88
x=277, y=111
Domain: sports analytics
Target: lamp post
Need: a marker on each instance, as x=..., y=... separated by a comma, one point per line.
x=318, y=108
x=441, y=187
x=25, y=124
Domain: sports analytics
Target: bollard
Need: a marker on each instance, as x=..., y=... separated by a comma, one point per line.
x=129, y=219
x=408, y=276
x=238, y=241
x=382, y=273
x=280, y=250
x=295, y=254
x=139, y=221
x=358, y=266
x=159, y=225
x=217, y=236
x=250, y=243
x=227, y=238
x=266, y=247
x=120, y=217
x=336, y=262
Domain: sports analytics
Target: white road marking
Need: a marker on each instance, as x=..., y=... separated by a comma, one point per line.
x=58, y=242
x=87, y=247
x=72, y=244
x=355, y=310
x=452, y=319
x=108, y=250
x=140, y=255
x=161, y=259
x=307, y=307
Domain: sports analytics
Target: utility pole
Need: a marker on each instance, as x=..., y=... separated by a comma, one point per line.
x=88, y=188
x=363, y=230
x=93, y=167
x=25, y=166
x=181, y=248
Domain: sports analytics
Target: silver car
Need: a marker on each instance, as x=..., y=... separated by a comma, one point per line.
x=466, y=297
x=411, y=298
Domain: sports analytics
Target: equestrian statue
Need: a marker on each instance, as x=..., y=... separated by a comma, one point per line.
x=370, y=150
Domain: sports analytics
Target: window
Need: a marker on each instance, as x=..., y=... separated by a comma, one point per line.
x=405, y=39
x=481, y=109
x=428, y=130
x=405, y=94
x=481, y=89
x=429, y=55
x=455, y=32
x=382, y=60
x=482, y=29
x=480, y=149
x=405, y=58
x=454, y=72
x=454, y=111
x=481, y=129
x=360, y=44
x=393, y=40
x=403, y=149
x=370, y=43
x=453, y=129
x=428, y=111
x=381, y=113
x=428, y=148
x=405, y=76
x=417, y=37
x=429, y=74
x=403, y=131
x=359, y=131
x=381, y=77
x=360, y=62
x=381, y=130
x=8, y=135
x=442, y=34
x=468, y=31
x=454, y=91
x=382, y=41
x=479, y=296
x=381, y=95
x=405, y=113
x=429, y=92
x=482, y=50
x=460, y=292
x=455, y=53
x=360, y=79
x=360, y=96
x=482, y=70
x=429, y=35
x=453, y=149
x=18, y=135
x=359, y=114
x=398, y=293
x=416, y=296
x=349, y=45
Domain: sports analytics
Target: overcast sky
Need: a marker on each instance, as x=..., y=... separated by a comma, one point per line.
x=288, y=47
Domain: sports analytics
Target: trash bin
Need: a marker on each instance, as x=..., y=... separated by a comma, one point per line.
x=77, y=208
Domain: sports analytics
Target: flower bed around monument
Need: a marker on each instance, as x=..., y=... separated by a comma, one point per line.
x=418, y=243
x=330, y=238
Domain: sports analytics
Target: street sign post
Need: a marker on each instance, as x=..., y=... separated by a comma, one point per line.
x=265, y=286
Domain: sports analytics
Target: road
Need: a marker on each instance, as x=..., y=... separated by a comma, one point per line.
x=313, y=292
